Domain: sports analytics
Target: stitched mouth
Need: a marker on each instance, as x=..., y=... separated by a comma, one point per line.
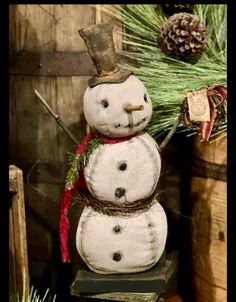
x=117, y=125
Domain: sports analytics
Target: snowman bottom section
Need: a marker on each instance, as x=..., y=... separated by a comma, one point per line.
x=116, y=245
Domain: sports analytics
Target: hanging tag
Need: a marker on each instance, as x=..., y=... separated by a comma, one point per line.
x=198, y=105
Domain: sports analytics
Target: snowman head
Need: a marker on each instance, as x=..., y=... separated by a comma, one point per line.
x=116, y=103
x=118, y=109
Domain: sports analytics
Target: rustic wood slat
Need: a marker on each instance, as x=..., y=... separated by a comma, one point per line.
x=59, y=64
x=131, y=297
x=72, y=18
x=52, y=64
x=18, y=240
x=209, y=225
x=118, y=27
x=70, y=95
x=50, y=172
x=12, y=257
x=13, y=186
x=40, y=229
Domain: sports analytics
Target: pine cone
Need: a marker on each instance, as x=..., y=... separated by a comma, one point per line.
x=183, y=36
x=171, y=9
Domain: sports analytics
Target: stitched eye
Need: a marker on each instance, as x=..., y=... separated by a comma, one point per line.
x=104, y=103
x=145, y=98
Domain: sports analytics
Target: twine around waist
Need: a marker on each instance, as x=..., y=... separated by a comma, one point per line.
x=115, y=209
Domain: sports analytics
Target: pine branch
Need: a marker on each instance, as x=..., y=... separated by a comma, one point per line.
x=78, y=162
x=168, y=79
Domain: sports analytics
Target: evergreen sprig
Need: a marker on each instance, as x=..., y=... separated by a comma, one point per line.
x=168, y=79
x=34, y=297
x=78, y=162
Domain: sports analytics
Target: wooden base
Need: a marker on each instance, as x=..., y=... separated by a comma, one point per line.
x=126, y=297
x=145, y=286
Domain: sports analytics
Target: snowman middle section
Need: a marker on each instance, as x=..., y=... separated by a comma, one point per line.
x=123, y=173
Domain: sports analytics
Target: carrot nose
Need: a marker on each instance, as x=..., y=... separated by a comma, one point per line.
x=130, y=108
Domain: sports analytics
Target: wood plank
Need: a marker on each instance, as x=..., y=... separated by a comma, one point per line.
x=38, y=136
x=209, y=231
x=43, y=232
x=29, y=26
x=12, y=257
x=215, y=152
x=70, y=95
x=13, y=186
x=26, y=119
x=19, y=234
x=75, y=17
x=50, y=172
x=209, y=212
x=55, y=64
x=118, y=27
x=52, y=64
x=127, y=297
x=47, y=148
x=98, y=14
x=13, y=137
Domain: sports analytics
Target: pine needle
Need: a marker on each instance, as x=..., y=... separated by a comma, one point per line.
x=168, y=79
x=34, y=297
x=78, y=162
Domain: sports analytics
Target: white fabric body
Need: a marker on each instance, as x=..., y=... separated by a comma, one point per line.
x=137, y=244
x=139, y=178
x=113, y=120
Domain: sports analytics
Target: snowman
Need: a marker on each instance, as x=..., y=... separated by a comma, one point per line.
x=124, y=228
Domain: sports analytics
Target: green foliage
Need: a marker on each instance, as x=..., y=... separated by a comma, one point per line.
x=34, y=297
x=78, y=162
x=167, y=79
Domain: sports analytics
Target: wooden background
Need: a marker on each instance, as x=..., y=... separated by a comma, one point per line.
x=37, y=144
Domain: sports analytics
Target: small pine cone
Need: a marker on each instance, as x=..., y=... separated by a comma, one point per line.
x=171, y=9
x=183, y=36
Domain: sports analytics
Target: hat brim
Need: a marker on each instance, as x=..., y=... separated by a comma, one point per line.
x=118, y=77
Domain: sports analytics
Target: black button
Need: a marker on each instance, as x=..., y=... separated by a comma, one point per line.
x=116, y=257
x=123, y=166
x=120, y=192
x=117, y=229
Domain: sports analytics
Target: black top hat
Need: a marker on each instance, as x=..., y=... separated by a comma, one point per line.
x=99, y=41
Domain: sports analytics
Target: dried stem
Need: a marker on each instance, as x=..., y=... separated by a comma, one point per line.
x=56, y=117
x=170, y=133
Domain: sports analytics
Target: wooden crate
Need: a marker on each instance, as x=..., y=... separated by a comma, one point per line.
x=209, y=225
x=18, y=256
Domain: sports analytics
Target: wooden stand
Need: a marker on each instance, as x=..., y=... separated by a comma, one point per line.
x=145, y=286
x=18, y=256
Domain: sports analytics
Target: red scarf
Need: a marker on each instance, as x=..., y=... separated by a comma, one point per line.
x=80, y=184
